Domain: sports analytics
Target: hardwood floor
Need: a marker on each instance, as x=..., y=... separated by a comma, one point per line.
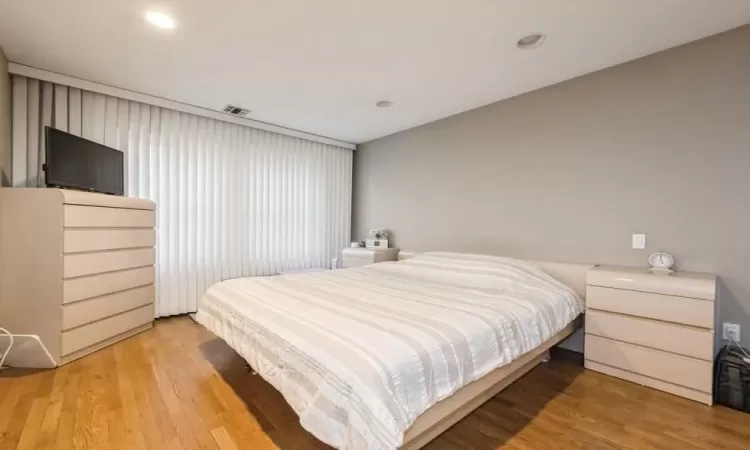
x=178, y=386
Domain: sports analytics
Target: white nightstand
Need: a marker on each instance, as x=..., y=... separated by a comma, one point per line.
x=358, y=257
x=654, y=330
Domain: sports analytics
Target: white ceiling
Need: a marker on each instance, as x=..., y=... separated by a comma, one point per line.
x=319, y=66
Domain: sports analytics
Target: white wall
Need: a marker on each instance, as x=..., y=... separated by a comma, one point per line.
x=660, y=145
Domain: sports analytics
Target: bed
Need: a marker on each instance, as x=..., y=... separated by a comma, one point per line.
x=390, y=355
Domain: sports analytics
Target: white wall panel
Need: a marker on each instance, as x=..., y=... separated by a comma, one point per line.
x=35, y=139
x=46, y=120
x=20, y=133
x=74, y=111
x=61, y=107
x=232, y=201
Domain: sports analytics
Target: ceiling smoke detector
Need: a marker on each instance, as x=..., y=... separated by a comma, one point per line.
x=530, y=41
x=236, y=110
x=384, y=104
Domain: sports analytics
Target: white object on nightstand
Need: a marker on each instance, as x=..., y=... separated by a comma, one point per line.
x=661, y=263
x=652, y=330
x=376, y=243
x=358, y=257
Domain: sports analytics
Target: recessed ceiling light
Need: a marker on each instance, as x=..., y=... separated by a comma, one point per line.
x=532, y=40
x=384, y=104
x=160, y=19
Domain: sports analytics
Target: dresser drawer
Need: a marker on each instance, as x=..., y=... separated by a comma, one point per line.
x=76, y=241
x=106, y=283
x=87, y=311
x=358, y=260
x=680, y=370
x=680, y=339
x=688, y=311
x=78, y=265
x=75, y=216
x=93, y=333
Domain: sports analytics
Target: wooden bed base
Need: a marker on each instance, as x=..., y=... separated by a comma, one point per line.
x=448, y=412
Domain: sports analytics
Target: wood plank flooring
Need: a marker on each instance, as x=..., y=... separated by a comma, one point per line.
x=178, y=386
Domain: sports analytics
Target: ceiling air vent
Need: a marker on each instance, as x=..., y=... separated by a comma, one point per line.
x=235, y=110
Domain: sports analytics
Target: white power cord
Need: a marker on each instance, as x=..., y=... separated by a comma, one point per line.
x=10, y=346
x=744, y=356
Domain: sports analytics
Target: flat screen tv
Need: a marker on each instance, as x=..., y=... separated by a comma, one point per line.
x=75, y=162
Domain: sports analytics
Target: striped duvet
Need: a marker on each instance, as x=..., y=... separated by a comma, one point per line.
x=360, y=353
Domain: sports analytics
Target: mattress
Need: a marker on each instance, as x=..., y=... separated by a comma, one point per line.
x=360, y=353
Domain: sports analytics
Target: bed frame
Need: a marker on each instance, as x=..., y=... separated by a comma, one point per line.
x=449, y=411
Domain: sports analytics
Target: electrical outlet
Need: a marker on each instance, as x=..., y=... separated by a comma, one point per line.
x=639, y=241
x=731, y=332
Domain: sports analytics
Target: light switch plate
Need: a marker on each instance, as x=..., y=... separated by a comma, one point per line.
x=639, y=241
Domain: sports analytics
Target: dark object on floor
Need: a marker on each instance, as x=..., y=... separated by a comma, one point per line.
x=563, y=354
x=732, y=378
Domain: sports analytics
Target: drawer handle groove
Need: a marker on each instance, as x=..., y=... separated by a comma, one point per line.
x=109, y=250
x=108, y=317
x=110, y=271
x=87, y=299
x=647, y=376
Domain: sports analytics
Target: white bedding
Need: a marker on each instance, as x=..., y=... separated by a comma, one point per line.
x=359, y=354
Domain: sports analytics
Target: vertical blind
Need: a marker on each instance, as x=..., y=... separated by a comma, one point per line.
x=232, y=201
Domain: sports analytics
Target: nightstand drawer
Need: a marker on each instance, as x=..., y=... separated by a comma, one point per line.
x=688, y=311
x=680, y=339
x=359, y=260
x=680, y=370
x=680, y=283
x=358, y=257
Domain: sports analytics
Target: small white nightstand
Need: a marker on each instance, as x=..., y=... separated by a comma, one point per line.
x=654, y=330
x=358, y=257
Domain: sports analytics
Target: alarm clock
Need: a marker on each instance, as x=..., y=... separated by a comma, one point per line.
x=661, y=263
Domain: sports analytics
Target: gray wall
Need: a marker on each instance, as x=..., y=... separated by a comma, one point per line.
x=660, y=145
x=4, y=121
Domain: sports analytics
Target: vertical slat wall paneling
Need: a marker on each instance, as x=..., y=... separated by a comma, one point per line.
x=191, y=205
x=232, y=201
x=61, y=107
x=99, y=116
x=87, y=115
x=46, y=120
x=134, y=135
x=20, y=134
x=110, y=121
x=348, y=187
x=35, y=134
x=74, y=111
x=200, y=188
x=151, y=189
x=123, y=135
x=162, y=213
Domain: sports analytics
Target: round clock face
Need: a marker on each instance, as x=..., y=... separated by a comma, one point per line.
x=661, y=260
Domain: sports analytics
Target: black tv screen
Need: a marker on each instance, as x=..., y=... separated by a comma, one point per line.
x=75, y=162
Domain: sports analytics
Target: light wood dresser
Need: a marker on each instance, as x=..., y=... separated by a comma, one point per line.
x=76, y=268
x=655, y=330
x=358, y=256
